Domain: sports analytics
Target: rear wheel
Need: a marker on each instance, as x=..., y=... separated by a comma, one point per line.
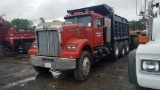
x=26, y=46
x=122, y=49
x=41, y=69
x=83, y=67
x=126, y=46
x=115, y=51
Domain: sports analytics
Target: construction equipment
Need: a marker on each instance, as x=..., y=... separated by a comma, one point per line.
x=13, y=39
x=134, y=37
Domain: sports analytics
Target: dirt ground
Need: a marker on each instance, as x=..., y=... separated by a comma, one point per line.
x=16, y=73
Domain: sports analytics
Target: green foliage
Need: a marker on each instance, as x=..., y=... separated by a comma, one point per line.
x=134, y=25
x=55, y=20
x=9, y=24
x=42, y=20
x=19, y=23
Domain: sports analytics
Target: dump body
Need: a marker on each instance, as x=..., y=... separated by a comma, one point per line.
x=10, y=35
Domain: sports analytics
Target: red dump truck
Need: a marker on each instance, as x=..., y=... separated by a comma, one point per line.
x=88, y=35
x=12, y=39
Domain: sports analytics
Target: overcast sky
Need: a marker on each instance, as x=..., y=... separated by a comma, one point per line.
x=56, y=9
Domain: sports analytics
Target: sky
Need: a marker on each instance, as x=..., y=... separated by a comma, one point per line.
x=56, y=9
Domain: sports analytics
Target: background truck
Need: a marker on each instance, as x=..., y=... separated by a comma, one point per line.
x=89, y=34
x=12, y=38
x=144, y=62
x=134, y=37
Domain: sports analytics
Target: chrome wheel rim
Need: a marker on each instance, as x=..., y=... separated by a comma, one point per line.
x=117, y=51
x=123, y=51
x=127, y=48
x=86, y=66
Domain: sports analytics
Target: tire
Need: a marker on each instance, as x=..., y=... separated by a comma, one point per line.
x=115, y=52
x=16, y=49
x=41, y=69
x=126, y=46
x=135, y=42
x=121, y=49
x=141, y=88
x=26, y=46
x=132, y=67
x=83, y=67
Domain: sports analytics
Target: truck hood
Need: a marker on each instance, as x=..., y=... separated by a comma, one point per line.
x=152, y=47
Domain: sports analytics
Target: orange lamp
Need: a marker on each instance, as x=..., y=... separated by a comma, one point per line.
x=143, y=39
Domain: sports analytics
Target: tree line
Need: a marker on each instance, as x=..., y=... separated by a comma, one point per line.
x=135, y=25
x=22, y=23
x=19, y=23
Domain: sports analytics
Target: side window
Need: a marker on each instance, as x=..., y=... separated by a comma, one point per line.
x=97, y=23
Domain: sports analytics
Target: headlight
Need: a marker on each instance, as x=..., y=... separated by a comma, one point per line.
x=71, y=47
x=150, y=66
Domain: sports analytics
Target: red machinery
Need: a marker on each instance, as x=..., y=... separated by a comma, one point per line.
x=12, y=39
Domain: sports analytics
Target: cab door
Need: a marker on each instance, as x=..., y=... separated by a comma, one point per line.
x=98, y=32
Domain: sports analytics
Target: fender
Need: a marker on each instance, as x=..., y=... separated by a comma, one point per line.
x=80, y=44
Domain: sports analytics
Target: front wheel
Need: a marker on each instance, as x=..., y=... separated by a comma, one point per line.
x=83, y=67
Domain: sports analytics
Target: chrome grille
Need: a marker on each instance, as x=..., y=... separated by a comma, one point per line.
x=48, y=42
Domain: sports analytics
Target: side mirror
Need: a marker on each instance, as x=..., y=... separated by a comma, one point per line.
x=140, y=7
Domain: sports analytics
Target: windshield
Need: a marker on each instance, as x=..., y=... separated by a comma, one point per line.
x=82, y=19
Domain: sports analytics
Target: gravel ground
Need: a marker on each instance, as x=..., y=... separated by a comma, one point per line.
x=16, y=73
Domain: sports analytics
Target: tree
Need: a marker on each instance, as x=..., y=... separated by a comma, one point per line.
x=42, y=20
x=19, y=23
x=134, y=25
x=8, y=24
x=55, y=20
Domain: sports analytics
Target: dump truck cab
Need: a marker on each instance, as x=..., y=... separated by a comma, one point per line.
x=92, y=24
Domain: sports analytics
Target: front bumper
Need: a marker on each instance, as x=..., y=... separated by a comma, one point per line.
x=53, y=62
x=148, y=80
